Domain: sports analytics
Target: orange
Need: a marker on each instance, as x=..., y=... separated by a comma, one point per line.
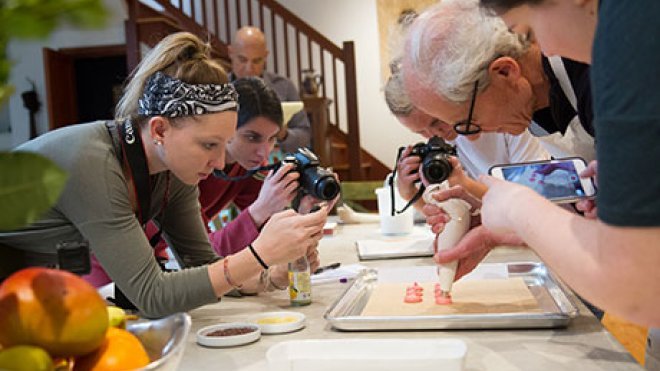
x=121, y=350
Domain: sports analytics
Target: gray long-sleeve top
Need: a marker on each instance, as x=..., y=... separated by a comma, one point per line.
x=95, y=207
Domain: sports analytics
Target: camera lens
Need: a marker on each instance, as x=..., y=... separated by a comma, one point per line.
x=436, y=168
x=326, y=188
x=319, y=182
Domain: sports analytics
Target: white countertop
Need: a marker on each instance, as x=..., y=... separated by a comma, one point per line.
x=583, y=345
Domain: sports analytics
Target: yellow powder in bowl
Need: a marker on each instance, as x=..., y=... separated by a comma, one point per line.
x=276, y=320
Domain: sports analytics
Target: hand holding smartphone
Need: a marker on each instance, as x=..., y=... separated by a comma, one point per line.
x=557, y=180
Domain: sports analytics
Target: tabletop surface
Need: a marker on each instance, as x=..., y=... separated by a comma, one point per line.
x=583, y=345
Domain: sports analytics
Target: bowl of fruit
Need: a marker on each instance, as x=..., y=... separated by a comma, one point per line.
x=54, y=320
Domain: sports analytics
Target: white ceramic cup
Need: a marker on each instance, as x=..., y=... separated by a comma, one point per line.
x=399, y=223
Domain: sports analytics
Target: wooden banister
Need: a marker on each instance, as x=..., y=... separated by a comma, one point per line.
x=305, y=28
x=132, y=38
x=351, y=96
x=191, y=25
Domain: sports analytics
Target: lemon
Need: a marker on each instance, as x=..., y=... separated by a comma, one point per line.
x=116, y=317
x=25, y=358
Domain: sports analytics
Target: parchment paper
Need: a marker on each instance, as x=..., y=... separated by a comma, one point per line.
x=509, y=295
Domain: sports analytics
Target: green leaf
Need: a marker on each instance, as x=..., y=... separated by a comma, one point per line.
x=5, y=92
x=5, y=64
x=24, y=25
x=38, y=18
x=30, y=184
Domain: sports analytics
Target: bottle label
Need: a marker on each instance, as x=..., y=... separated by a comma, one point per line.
x=300, y=288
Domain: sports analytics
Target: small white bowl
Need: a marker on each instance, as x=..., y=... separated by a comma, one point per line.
x=279, y=322
x=203, y=337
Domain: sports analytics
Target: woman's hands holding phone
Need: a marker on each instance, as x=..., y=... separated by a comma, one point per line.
x=288, y=235
x=588, y=207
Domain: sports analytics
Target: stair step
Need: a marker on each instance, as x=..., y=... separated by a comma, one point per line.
x=338, y=145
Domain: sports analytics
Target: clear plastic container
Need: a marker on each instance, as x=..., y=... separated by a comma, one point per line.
x=368, y=355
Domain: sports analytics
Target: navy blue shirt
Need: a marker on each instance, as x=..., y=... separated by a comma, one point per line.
x=625, y=77
x=559, y=114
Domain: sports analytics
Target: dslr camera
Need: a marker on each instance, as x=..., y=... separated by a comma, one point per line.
x=435, y=159
x=314, y=179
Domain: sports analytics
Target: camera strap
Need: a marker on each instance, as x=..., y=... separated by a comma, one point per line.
x=136, y=168
x=130, y=152
x=131, y=155
x=390, y=183
x=224, y=176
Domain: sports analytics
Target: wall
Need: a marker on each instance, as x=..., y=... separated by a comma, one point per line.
x=28, y=63
x=343, y=20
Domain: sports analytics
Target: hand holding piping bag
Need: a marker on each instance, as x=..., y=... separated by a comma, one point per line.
x=454, y=229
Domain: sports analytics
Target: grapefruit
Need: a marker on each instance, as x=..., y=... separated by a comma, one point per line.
x=51, y=309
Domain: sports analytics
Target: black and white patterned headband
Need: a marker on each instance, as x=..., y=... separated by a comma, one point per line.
x=167, y=96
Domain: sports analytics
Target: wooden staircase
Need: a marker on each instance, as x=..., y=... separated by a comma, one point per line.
x=294, y=46
x=372, y=168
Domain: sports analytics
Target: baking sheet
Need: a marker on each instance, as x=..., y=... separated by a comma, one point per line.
x=553, y=307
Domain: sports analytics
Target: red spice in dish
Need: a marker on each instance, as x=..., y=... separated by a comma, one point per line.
x=232, y=331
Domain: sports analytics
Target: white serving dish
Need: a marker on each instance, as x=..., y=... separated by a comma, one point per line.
x=297, y=323
x=367, y=355
x=228, y=341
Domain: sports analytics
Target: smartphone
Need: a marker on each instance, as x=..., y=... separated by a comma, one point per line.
x=557, y=180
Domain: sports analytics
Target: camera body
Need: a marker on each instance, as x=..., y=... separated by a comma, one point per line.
x=314, y=179
x=435, y=159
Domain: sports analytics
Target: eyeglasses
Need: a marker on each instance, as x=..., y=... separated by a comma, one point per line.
x=467, y=127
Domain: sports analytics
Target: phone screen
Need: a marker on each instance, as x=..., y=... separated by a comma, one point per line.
x=554, y=180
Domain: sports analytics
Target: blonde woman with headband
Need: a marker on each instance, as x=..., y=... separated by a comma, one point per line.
x=172, y=126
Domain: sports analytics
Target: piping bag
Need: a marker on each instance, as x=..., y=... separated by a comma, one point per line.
x=459, y=212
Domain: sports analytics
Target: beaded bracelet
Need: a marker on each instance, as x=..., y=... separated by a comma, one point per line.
x=271, y=283
x=225, y=265
x=266, y=280
x=254, y=252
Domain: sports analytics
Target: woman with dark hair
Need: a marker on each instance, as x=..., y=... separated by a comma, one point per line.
x=259, y=122
x=258, y=197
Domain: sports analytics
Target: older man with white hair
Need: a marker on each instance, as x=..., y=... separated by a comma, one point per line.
x=468, y=69
x=476, y=155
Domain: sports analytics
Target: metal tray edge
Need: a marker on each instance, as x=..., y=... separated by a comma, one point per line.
x=542, y=320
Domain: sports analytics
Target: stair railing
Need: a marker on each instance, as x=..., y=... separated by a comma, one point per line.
x=294, y=46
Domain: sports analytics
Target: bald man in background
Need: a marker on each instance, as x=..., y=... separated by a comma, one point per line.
x=248, y=53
